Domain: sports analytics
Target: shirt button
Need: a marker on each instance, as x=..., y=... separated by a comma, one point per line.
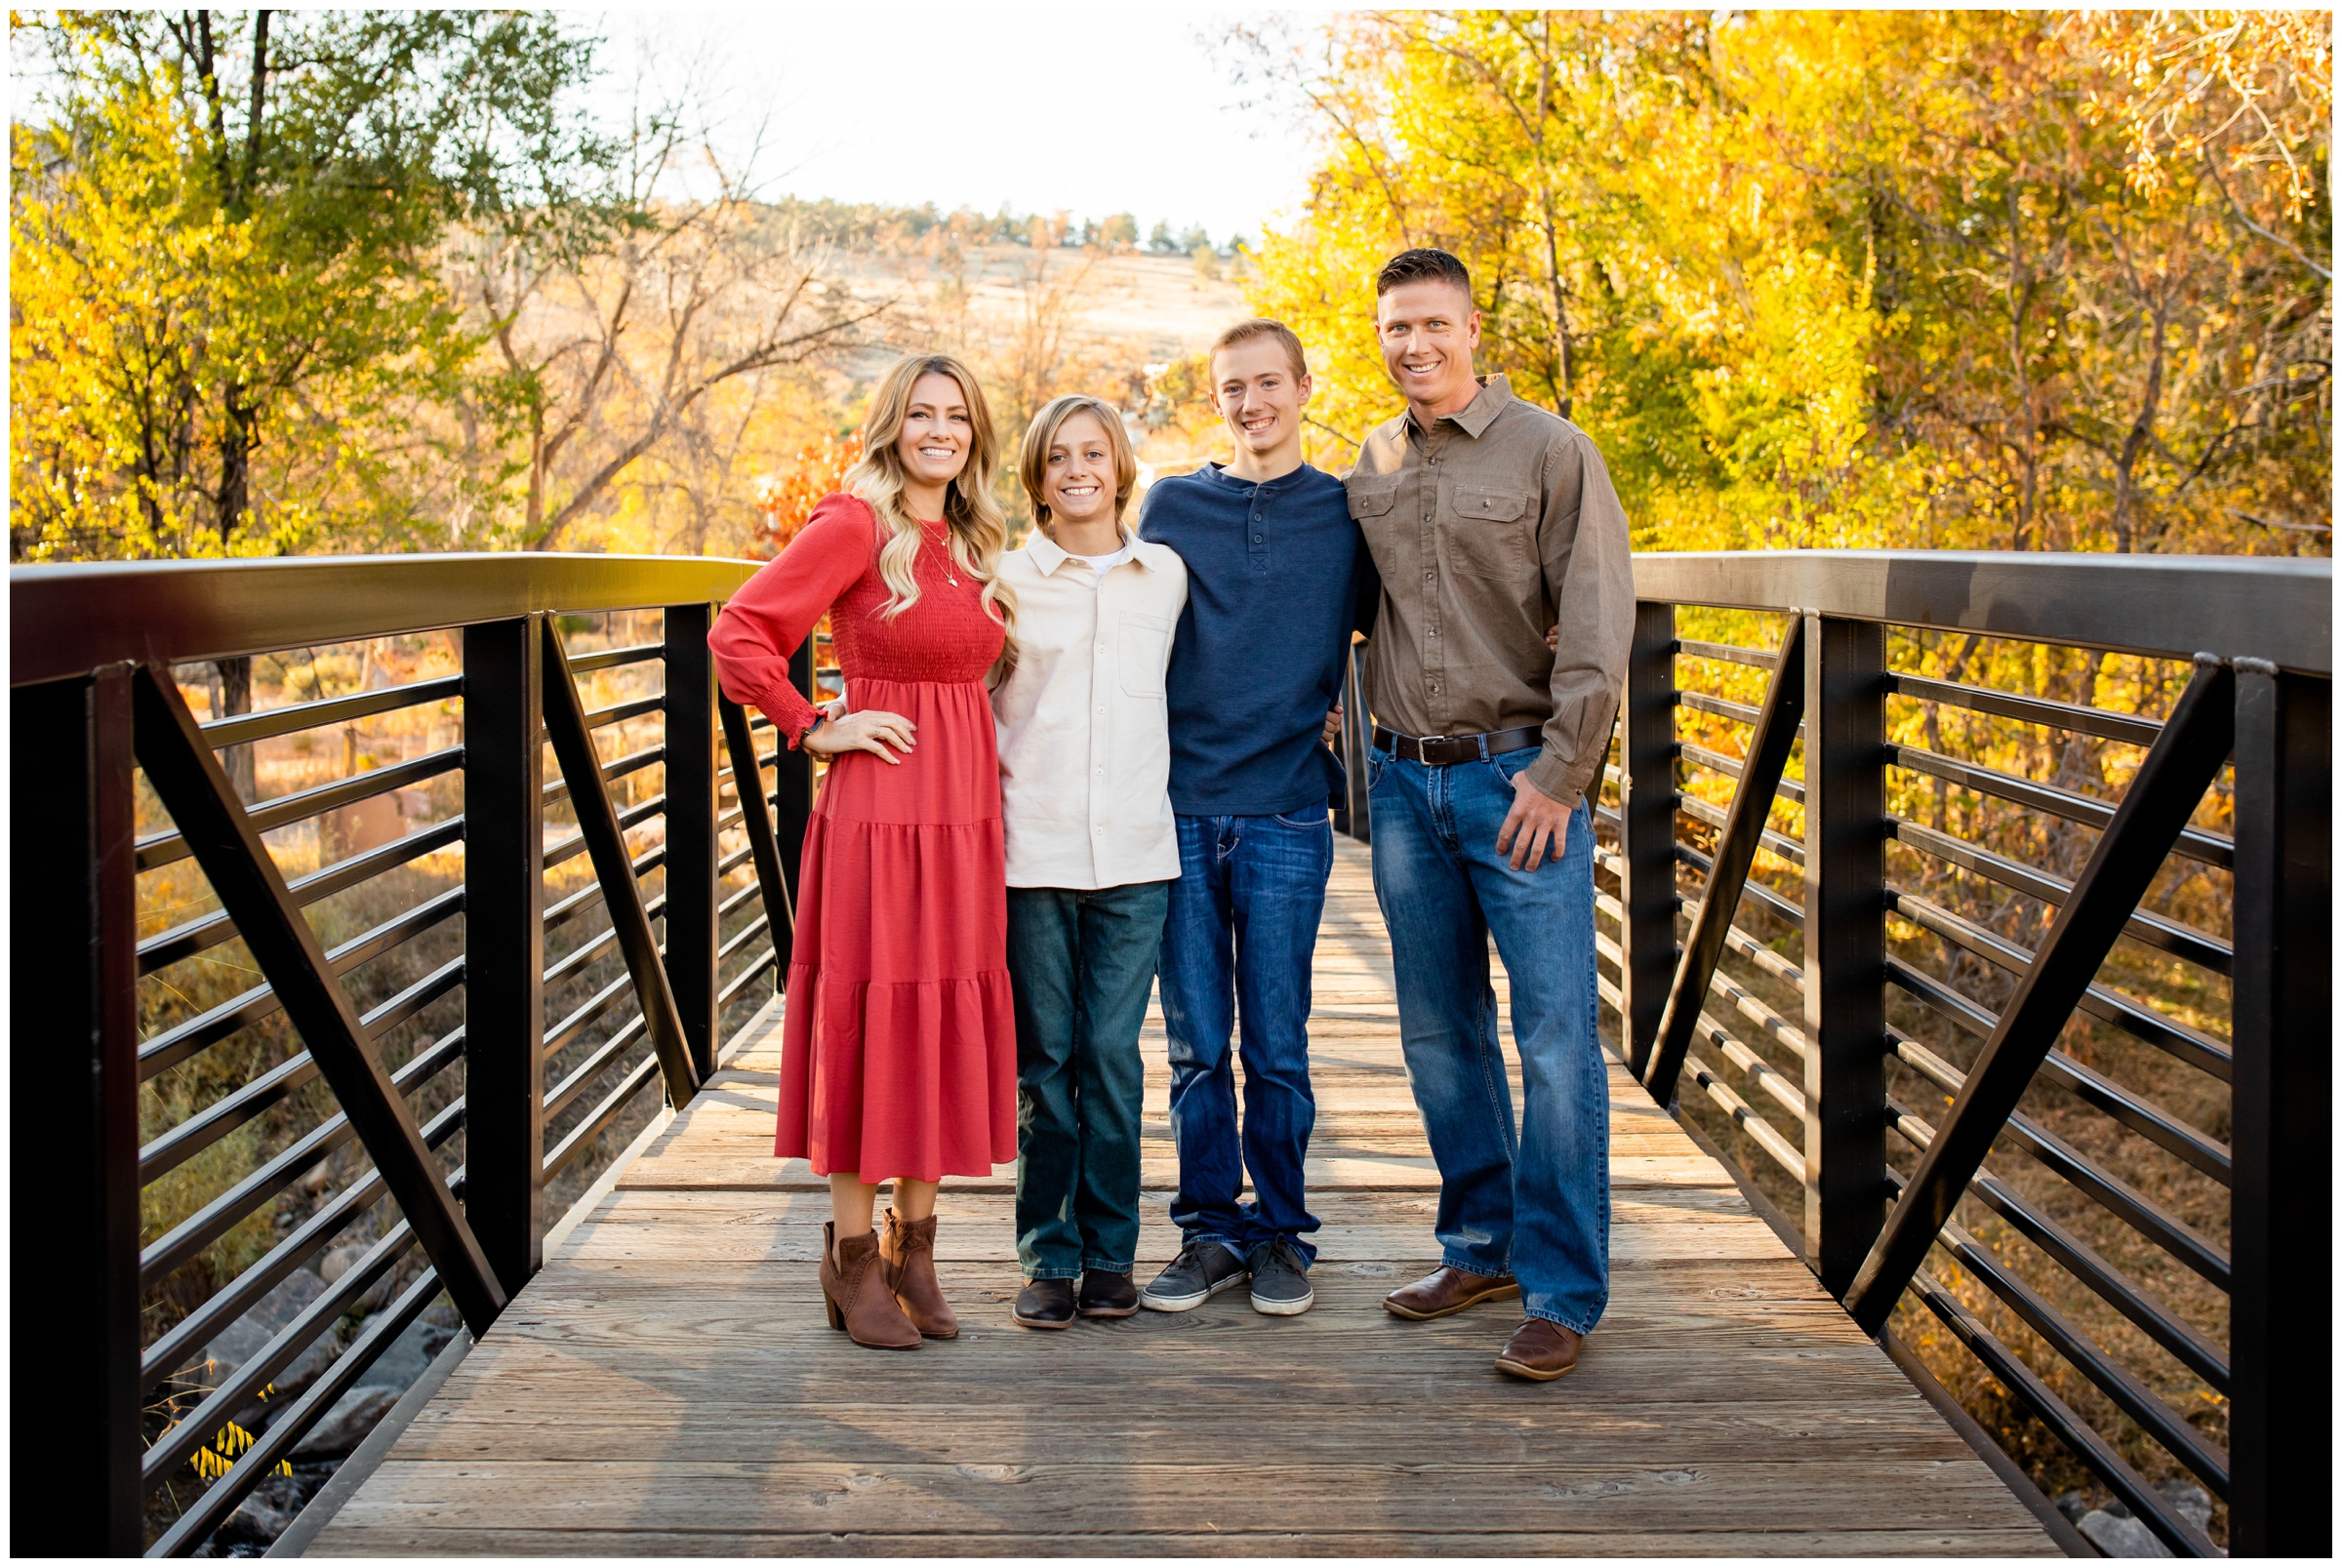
x=1256, y=538
x=1100, y=831
x=1427, y=576
x=1102, y=646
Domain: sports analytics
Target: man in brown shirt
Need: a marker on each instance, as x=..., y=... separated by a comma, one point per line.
x=1493, y=522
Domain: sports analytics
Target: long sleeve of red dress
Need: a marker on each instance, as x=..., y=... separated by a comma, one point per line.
x=773, y=614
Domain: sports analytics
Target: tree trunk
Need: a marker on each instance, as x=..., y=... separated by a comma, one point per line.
x=235, y=697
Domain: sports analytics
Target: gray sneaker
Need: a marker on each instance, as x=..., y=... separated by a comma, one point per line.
x=1280, y=1280
x=1201, y=1270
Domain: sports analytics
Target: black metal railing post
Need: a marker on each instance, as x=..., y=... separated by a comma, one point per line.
x=503, y=943
x=792, y=787
x=2281, y=1441
x=73, y=1017
x=1646, y=771
x=1354, y=816
x=1846, y=944
x=692, y=938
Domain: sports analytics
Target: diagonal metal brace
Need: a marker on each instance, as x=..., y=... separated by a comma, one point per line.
x=2183, y=763
x=764, y=846
x=621, y=894
x=1735, y=850
x=187, y=774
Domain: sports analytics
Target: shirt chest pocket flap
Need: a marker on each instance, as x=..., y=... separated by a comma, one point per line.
x=1491, y=533
x=1145, y=648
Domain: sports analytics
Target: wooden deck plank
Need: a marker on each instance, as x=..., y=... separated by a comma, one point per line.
x=668, y=1384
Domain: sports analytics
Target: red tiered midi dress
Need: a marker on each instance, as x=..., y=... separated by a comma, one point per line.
x=898, y=1053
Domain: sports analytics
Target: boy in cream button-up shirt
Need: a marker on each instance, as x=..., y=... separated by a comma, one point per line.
x=1092, y=848
x=1085, y=755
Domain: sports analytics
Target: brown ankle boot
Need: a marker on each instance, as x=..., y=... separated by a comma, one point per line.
x=854, y=1288
x=908, y=1248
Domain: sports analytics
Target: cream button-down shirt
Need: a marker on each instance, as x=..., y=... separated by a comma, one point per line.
x=1085, y=749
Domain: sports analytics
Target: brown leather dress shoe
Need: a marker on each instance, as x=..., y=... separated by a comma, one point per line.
x=1539, y=1351
x=908, y=1248
x=1449, y=1290
x=854, y=1290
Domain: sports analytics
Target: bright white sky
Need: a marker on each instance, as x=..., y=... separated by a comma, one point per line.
x=1091, y=108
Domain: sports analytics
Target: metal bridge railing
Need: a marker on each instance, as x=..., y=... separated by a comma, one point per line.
x=1978, y=909
x=2007, y=980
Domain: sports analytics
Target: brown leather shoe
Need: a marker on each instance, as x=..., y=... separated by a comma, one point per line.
x=1445, y=1291
x=908, y=1248
x=854, y=1290
x=1539, y=1351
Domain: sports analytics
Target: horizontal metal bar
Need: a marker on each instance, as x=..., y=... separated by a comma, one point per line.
x=645, y=1073
x=634, y=762
x=2094, y=1451
x=559, y=1098
x=753, y=927
x=2137, y=1018
x=2188, y=1347
x=183, y=1040
x=231, y=1207
x=167, y=847
x=177, y=1444
x=2210, y=848
x=1757, y=658
x=739, y=982
x=582, y=955
x=1753, y=1066
x=2181, y=942
x=631, y=817
x=69, y=620
x=565, y=1034
x=1730, y=767
x=1768, y=1137
x=2165, y=606
x=1721, y=707
x=281, y=1082
x=183, y=941
x=222, y=733
x=735, y=899
x=2129, y=728
x=1703, y=810
x=619, y=712
x=612, y=657
x=2088, y=1357
x=587, y=897
x=2150, y=1121
x=272, y=1448
x=1752, y=888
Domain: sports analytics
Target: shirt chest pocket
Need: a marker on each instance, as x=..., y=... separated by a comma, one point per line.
x=1491, y=533
x=1144, y=641
x=1371, y=504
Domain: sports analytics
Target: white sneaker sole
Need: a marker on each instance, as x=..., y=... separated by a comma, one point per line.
x=1187, y=1303
x=1284, y=1309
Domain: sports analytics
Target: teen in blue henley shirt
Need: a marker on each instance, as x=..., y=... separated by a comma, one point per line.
x=1277, y=579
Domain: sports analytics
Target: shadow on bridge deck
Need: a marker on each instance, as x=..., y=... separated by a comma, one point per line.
x=667, y=1384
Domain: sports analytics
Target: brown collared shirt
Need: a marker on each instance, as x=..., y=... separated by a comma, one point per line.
x=1490, y=527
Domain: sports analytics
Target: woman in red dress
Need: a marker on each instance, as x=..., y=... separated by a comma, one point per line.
x=899, y=1054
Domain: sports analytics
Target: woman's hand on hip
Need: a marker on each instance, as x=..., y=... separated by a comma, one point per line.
x=872, y=732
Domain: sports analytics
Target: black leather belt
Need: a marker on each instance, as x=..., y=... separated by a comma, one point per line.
x=1441, y=750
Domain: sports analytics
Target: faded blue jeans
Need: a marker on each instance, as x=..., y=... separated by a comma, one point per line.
x=1242, y=930
x=1535, y=1204
x=1081, y=964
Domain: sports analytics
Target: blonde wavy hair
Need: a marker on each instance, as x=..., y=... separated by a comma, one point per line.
x=978, y=530
x=1033, y=459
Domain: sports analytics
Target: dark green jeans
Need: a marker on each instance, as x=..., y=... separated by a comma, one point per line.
x=1081, y=964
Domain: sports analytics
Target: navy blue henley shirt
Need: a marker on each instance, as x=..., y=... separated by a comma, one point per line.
x=1277, y=579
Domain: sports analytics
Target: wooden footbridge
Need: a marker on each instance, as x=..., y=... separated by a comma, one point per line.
x=667, y=1384
x=434, y=1055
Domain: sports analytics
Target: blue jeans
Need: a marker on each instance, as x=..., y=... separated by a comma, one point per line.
x=1537, y=1207
x=1081, y=964
x=1242, y=930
